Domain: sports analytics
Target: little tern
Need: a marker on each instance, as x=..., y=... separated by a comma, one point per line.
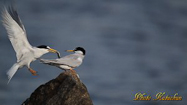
x=68, y=62
x=25, y=53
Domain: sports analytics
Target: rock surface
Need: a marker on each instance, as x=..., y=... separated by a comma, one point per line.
x=66, y=89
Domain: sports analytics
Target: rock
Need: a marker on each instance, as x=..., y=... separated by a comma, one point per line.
x=66, y=89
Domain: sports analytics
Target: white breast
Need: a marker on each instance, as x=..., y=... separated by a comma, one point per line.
x=79, y=59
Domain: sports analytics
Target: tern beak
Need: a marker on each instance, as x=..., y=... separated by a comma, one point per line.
x=52, y=50
x=69, y=50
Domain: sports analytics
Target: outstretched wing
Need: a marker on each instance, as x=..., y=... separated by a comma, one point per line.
x=16, y=31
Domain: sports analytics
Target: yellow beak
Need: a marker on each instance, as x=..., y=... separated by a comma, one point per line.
x=52, y=50
x=69, y=50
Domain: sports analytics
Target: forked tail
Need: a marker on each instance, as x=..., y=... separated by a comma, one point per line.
x=12, y=71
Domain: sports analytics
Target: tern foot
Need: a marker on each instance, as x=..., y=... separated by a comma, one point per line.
x=33, y=72
x=73, y=71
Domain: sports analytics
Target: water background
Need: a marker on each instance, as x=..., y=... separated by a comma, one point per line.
x=132, y=46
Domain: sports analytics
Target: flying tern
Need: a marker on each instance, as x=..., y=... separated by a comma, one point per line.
x=25, y=53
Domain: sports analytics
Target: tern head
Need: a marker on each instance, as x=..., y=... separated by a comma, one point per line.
x=47, y=48
x=79, y=50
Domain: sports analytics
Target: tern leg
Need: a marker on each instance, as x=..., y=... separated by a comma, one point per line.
x=73, y=71
x=74, y=74
x=33, y=72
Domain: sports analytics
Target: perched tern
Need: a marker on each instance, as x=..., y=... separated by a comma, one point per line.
x=68, y=62
x=25, y=53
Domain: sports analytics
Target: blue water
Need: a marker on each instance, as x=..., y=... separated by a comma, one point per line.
x=132, y=46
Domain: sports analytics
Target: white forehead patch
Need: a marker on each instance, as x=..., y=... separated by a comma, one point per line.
x=48, y=47
x=79, y=52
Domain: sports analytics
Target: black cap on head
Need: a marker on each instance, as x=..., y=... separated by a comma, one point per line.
x=80, y=49
x=43, y=46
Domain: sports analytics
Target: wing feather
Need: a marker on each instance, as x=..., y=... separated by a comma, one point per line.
x=16, y=31
x=70, y=60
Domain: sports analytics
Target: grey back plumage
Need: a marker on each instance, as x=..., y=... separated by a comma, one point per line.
x=73, y=60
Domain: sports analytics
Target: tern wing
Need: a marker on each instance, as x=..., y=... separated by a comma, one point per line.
x=16, y=31
x=69, y=60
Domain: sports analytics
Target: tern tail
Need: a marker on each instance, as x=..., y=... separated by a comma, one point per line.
x=12, y=71
x=49, y=62
x=44, y=61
